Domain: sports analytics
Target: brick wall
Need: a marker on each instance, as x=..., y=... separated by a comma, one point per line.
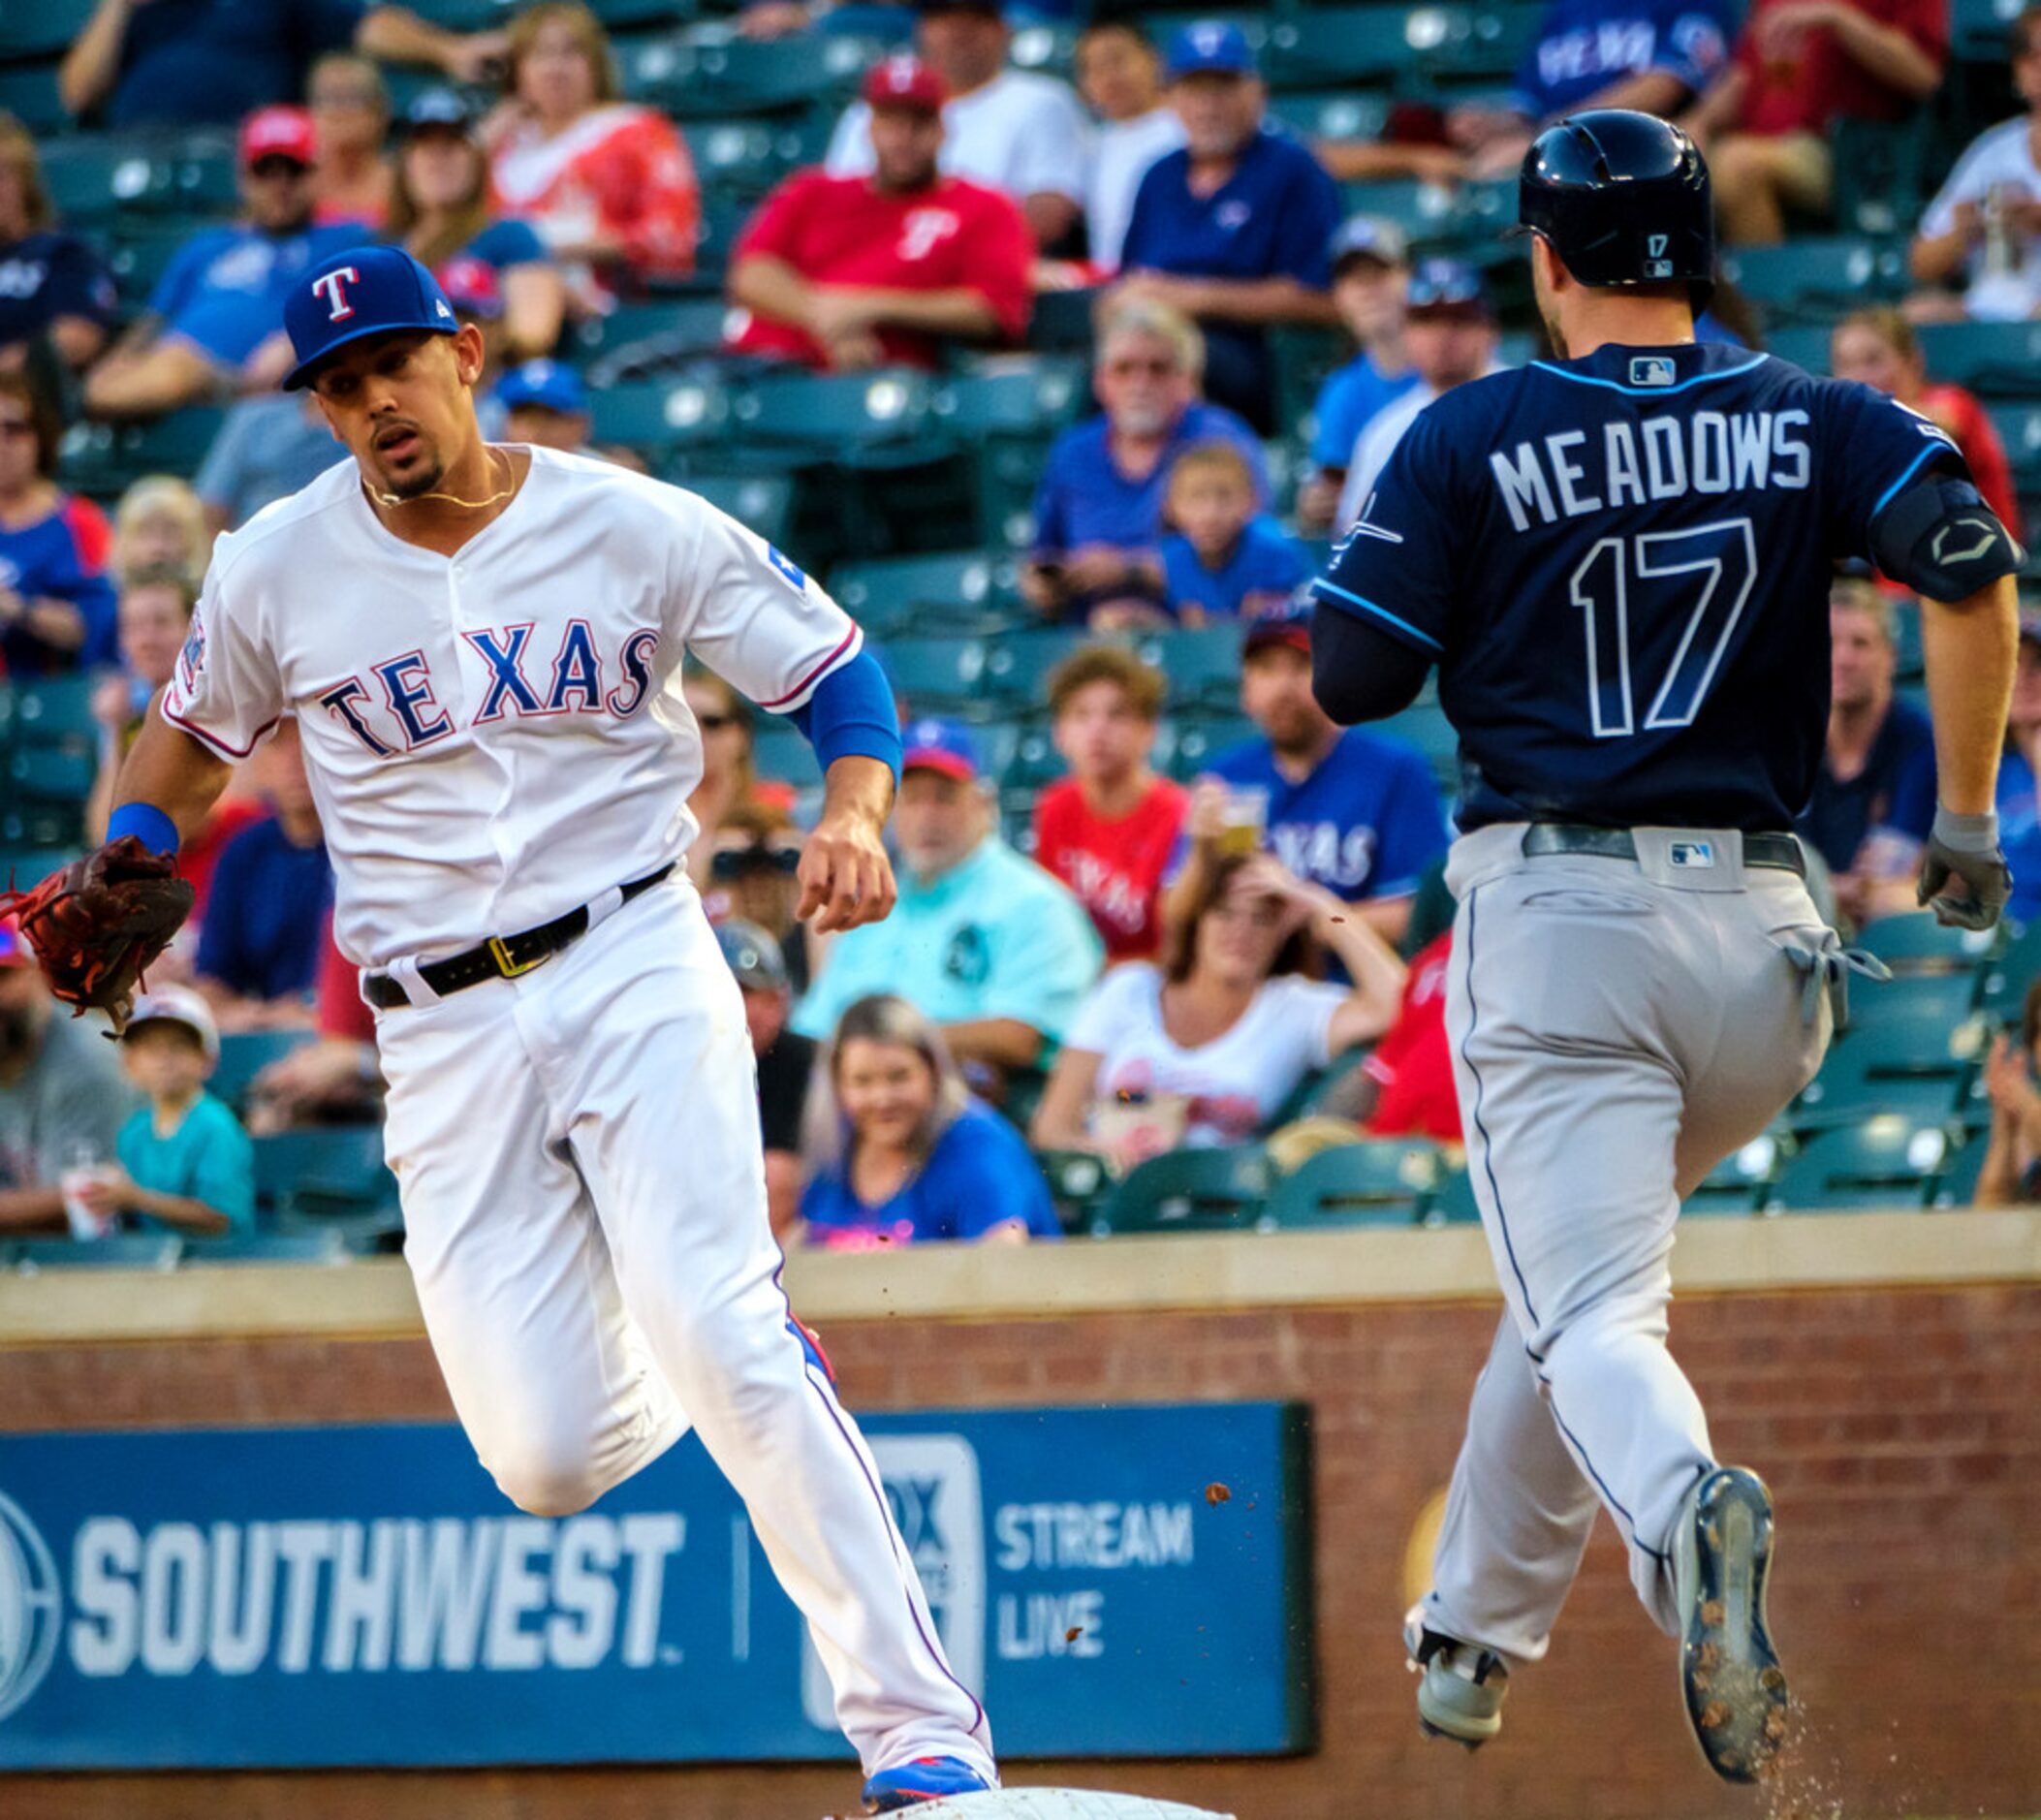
x=1900, y=1430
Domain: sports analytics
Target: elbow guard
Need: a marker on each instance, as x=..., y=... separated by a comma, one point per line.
x=851, y=713
x=1941, y=540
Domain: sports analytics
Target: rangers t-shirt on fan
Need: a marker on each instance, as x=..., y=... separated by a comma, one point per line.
x=1114, y=867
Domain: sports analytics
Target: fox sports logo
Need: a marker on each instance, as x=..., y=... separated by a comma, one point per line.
x=28, y=1607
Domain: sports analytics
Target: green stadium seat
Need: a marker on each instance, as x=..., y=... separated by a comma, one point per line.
x=1078, y=1182
x=661, y=419
x=2007, y=975
x=1190, y=743
x=669, y=326
x=245, y=1053
x=1380, y=1181
x=1042, y=45
x=761, y=502
x=142, y=251
x=325, y=1246
x=2000, y=359
x=23, y=866
x=1034, y=397
x=1916, y=999
x=1427, y=728
x=1017, y=666
x=104, y=457
x=1452, y=1201
x=857, y=420
x=29, y=92
x=935, y=675
x=1956, y=1184
x=1426, y=213
x=42, y=28
x=1189, y=1191
x=1344, y=47
x=783, y=755
x=1909, y=1066
x=1880, y=173
x=121, y=1251
x=45, y=774
x=1914, y=941
x=1977, y=30
x=792, y=75
x=322, y=1170
x=747, y=158
x=1806, y=348
x=1335, y=113
x=1203, y=663
x=1740, y=1182
x=1818, y=277
x=2019, y=428
x=1034, y=762
x=56, y=711
x=1889, y=1160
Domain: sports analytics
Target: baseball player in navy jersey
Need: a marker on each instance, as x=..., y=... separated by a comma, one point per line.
x=476, y=642
x=1619, y=560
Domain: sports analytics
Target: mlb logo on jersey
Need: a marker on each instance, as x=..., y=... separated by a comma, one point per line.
x=1652, y=370
x=1694, y=854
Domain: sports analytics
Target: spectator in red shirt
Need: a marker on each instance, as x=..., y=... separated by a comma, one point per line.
x=1106, y=831
x=1800, y=66
x=1408, y=1089
x=1879, y=348
x=855, y=271
x=349, y=109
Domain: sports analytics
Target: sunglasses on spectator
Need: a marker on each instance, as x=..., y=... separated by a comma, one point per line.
x=737, y=862
x=16, y=427
x=714, y=722
x=278, y=166
x=1155, y=369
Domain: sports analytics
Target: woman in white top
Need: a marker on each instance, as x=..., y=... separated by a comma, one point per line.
x=1205, y=1048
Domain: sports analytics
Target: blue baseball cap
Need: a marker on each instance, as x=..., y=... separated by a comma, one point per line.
x=365, y=290
x=1210, y=46
x=1448, y=284
x=1288, y=624
x=543, y=385
x=939, y=745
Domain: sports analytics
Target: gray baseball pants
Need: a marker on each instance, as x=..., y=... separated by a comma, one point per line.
x=1618, y=1027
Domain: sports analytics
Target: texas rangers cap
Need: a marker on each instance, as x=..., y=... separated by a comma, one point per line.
x=543, y=385
x=365, y=291
x=939, y=745
x=1449, y=285
x=1367, y=237
x=903, y=83
x=15, y=952
x=1288, y=624
x=177, y=1004
x=438, y=109
x=1210, y=47
x=279, y=132
x=754, y=956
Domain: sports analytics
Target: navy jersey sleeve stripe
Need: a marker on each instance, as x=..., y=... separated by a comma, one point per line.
x=1335, y=594
x=1912, y=468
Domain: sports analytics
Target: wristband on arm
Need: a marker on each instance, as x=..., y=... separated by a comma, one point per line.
x=852, y=714
x=147, y=822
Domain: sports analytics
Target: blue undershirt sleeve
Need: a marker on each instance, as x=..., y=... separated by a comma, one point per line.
x=852, y=714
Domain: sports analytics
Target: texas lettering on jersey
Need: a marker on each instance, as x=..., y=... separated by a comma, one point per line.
x=402, y=713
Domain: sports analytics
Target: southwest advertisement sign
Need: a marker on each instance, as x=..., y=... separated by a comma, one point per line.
x=1129, y=1582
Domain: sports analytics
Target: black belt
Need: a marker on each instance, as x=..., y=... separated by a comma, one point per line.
x=501, y=957
x=1780, y=853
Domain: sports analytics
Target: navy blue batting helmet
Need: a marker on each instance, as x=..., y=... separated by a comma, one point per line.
x=1623, y=199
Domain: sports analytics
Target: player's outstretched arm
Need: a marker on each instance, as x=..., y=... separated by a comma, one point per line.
x=846, y=879
x=1971, y=648
x=172, y=772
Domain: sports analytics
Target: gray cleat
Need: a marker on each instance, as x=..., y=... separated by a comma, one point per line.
x=1729, y=1673
x=1462, y=1686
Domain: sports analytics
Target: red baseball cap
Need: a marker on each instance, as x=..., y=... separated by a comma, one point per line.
x=278, y=132
x=904, y=83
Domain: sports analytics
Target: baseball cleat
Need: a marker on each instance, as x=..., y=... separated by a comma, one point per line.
x=1461, y=1690
x=1729, y=1673
x=925, y=1778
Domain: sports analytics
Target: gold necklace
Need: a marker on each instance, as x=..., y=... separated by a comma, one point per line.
x=472, y=504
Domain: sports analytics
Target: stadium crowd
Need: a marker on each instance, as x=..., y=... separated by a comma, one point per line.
x=1153, y=898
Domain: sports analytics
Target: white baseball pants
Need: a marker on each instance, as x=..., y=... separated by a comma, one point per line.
x=1617, y=1029
x=584, y=1208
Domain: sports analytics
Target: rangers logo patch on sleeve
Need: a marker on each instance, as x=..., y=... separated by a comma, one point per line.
x=192, y=658
x=787, y=569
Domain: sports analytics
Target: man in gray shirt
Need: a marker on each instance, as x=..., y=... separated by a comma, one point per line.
x=62, y=1093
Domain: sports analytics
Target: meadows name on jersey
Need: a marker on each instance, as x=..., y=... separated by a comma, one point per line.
x=1620, y=563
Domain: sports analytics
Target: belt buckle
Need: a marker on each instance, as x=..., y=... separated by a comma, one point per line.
x=500, y=954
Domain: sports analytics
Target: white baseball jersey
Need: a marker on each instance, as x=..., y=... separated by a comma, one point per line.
x=489, y=736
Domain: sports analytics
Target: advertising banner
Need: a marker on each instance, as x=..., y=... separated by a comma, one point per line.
x=1126, y=1582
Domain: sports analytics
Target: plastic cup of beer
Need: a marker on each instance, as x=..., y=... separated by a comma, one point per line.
x=1242, y=821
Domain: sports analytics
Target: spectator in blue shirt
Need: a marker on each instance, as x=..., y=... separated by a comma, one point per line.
x=1655, y=55
x=1874, y=801
x=57, y=611
x=184, y=1160
x=272, y=888
x=902, y=1151
x=51, y=283
x=1224, y=560
x=214, y=323
x=440, y=213
x=1098, y=513
x=211, y=61
x=1232, y=229
x=1370, y=283
x=1359, y=816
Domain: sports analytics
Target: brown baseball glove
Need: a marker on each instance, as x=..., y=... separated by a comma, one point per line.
x=100, y=920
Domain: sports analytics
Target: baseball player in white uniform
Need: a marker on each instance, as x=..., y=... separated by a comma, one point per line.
x=476, y=642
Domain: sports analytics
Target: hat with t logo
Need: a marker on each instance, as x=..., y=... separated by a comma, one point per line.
x=365, y=291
